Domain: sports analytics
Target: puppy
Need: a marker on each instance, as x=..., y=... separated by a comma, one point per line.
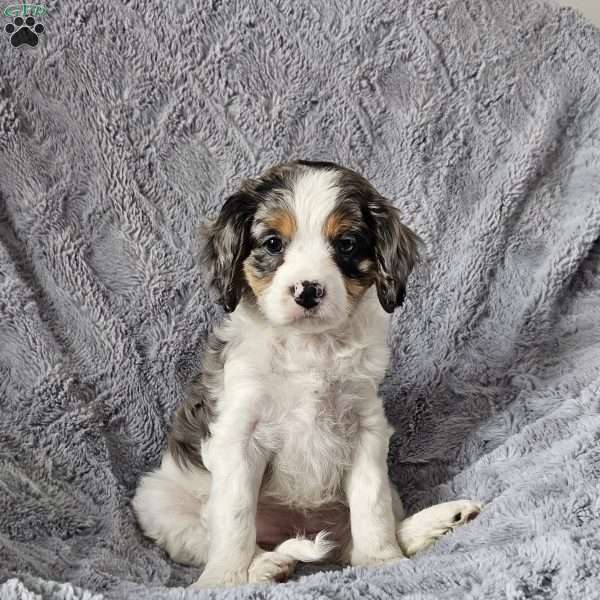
x=278, y=454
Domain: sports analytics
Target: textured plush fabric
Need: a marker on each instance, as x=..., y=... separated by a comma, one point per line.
x=129, y=123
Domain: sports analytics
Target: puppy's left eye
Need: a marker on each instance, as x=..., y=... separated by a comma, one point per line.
x=273, y=244
x=345, y=245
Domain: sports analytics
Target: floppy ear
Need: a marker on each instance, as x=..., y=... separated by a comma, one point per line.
x=225, y=246
x=396, y=252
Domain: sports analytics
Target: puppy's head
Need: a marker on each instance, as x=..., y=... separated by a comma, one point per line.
x=304, y=242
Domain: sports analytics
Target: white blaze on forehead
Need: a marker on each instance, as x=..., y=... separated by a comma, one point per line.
x=313, y=199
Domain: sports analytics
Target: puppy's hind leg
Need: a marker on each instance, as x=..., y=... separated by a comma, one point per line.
x=427, y=526
x=267, y=567
x=170, y=504
x=279, y=564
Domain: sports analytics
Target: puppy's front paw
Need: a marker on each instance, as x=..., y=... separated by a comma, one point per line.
x=385, y=556
x=212, y=578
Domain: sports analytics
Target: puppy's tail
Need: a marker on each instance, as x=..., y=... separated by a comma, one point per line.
x=306, y=550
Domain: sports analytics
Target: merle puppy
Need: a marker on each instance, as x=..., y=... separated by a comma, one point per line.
x=278, y=454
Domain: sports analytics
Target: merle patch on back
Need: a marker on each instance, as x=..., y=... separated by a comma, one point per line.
x=191, y=424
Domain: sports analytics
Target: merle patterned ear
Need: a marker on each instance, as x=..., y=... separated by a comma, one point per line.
x=225, y=246
x=396, y=252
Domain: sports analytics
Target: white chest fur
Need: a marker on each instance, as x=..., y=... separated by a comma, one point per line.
x=302, y=396
x=310, y=423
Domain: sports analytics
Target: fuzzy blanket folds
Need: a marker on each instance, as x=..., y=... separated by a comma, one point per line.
x=129, y=123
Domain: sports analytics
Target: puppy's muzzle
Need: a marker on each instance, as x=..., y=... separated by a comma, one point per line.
x=308, y=294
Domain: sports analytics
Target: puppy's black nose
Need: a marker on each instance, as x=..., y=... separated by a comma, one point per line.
x=307, y=293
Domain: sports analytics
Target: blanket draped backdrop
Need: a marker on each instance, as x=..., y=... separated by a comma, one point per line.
x=129, y=123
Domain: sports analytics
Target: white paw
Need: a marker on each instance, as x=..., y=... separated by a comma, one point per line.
x=212, y=579
x=270, y=566
x=450, y=515
x=426, y=527
x=377, y=559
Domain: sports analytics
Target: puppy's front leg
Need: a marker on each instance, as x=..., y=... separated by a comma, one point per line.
x=237, y=466
x=369, y=495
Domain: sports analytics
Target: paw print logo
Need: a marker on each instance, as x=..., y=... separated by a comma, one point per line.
x=24, y=32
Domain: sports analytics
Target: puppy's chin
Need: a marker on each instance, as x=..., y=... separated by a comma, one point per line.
x=312, y=323
x=287, y=314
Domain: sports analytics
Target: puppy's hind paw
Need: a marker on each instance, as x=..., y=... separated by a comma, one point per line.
x=271, y=566
x=421, y=530
x=460, y=512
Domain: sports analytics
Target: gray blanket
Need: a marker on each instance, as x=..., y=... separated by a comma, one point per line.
x=127, y=125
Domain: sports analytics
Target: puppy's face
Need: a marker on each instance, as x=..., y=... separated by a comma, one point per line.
x=304, y=242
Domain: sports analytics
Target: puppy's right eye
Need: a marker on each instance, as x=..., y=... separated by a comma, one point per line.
x=346, y=245
x=273, y=245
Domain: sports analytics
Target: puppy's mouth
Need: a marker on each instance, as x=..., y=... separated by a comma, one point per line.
x=303, y=314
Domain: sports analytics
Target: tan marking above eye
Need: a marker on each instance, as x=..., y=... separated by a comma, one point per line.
x=282, y=221
x=338, y=223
